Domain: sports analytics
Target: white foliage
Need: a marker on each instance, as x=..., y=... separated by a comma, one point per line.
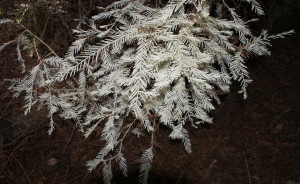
x=177, y=132
x=76, y=47
x=20, y=58
x=54, y=61
x=107, y=173
x=255, y=6
x=156, y=65
x=92, y=164
x=5, y=21
x=136, y=131
x=146, y=164
x=122, y=163
x=186, y=141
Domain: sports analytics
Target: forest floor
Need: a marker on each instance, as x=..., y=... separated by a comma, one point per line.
x=252, y=141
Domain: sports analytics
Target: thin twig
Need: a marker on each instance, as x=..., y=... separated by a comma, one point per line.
x=153, y=134
x=69, y=141
x=249, y=177
x=40, y=40
x=5, y=109
x=22, y=169
x=77, y=178
x=121, y=141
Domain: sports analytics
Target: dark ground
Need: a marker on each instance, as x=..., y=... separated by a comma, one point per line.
x=253, y=141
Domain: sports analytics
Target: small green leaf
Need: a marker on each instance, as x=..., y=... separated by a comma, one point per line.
x=1, y=12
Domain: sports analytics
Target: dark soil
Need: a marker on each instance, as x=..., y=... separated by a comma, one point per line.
x=253, y=141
